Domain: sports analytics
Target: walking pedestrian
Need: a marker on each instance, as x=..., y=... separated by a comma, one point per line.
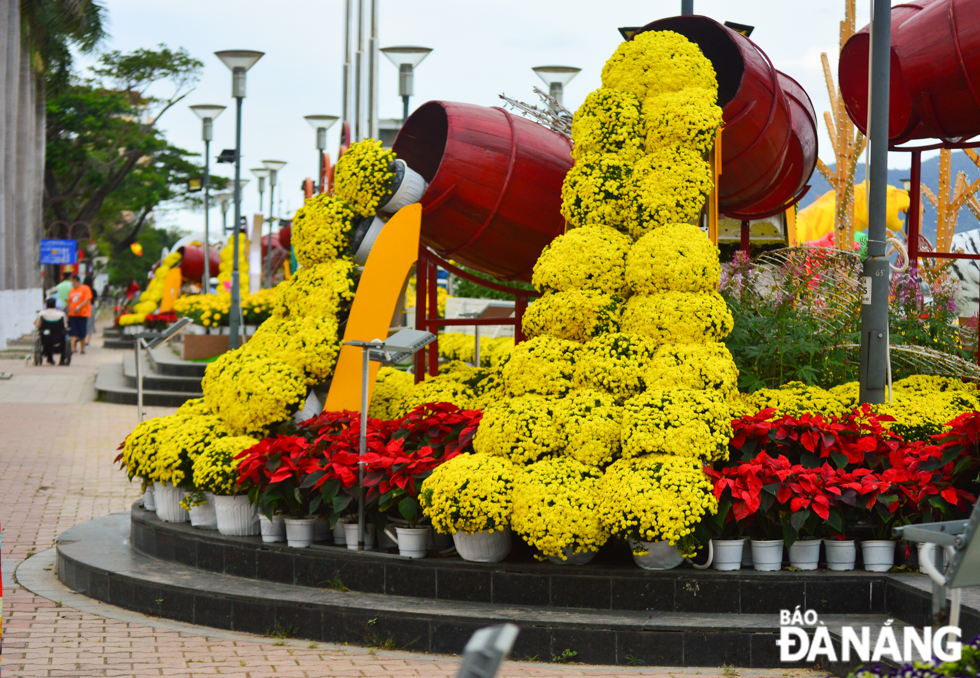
x=79, y=310
x=61, y=291
x=90, y=283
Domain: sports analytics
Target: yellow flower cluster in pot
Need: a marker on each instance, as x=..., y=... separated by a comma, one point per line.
x=655, y=497
x=575, y=315
x=460, y=346
x=194, y=406
x=615, y=363
x=142, y=445
x=589, y=425
x=543, y=365
x=681, y=259
x=671, y=186
x=522, y=429
x=320, y=290
x=320, y=229
x=599, y=191
x=704, y=367
x=251, y=392
x=608, y=122
x=555, y=504
x=307, y=344
x=796, y=398
x=446, y=388
x=587, y=258
x=216, y=470
x=187, y=438
x=127, y=319
x=656, y=62
x=469, y=493
x=919, y=415
x=678, y=317
x=688, y=118
x=364, y=175
x=678, y=422
x=226, y=267
x=391, y=387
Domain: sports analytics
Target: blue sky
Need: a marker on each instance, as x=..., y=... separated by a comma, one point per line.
x=480, y=49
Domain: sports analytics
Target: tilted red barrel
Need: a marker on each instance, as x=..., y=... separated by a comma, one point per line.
x=192, y=265
x=494, y=195
x=769, y=142
x=935, y=72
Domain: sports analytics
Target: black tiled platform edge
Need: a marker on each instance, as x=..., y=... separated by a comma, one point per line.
x=96, y=559
x=590, y=586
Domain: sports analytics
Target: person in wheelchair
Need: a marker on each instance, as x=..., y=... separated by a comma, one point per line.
x=52, y=327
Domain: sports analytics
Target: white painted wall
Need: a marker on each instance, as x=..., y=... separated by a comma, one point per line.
x=18, y=309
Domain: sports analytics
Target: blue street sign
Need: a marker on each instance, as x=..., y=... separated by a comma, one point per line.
x=59, y=252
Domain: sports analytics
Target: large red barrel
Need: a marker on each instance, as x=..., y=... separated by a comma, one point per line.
x=192, y=265
x=285, y=236
x=769, y=142
x=935, y=72
x=494, y=195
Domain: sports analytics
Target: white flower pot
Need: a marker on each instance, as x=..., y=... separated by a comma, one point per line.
x=572, y=558
x=410, y=189
x=237, y=517
x=767, y=554
x=148, y=499
x=660, y=555
x=339, y=535
x=805, y=554
x=412, y=541
x=299, y=531
x=167, y=498
x=203, y=516
x=728, y=554
x=351, y=536
x=272, y=530
x=878, y=555
x=841, y=554
x=321, y=529
x=484, y=546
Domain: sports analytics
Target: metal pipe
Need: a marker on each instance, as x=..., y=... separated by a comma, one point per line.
x=745, y=236
x=915, y=201
x=874, y=315
x=236, y=293
x=206, y=282
x=373, y=54
x=139, y=383
x=362, y=449
x=687, y=7
x=359, y=68
x=405, y=98
x=347, y=63
x=268, y=248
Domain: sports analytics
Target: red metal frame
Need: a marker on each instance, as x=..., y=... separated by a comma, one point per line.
x=427, y=307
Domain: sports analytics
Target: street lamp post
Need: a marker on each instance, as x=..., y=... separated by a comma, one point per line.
x=406, y=59
x=556, y=77
x=239, y=61
x=261, y=173
x=207, y=113
x=225, y=199
x=273, y=166
x=321, y=123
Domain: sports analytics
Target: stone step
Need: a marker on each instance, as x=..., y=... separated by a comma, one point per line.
x=169, y=363
x=112, y=387
x=153, y=380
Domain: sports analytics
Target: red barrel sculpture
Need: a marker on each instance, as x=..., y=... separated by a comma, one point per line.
x=769, y=142
x=494, y=195
x=935, y=72
x=192, y=265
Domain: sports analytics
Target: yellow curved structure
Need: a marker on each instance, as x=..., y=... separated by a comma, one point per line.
x=817, y=220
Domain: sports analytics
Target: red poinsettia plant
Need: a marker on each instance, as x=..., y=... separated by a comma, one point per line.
x=275, y=470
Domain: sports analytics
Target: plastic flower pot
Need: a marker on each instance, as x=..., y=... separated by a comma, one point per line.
x=407, y=187
x=878, y=555
x=299, y=531
x=767, y=554
x=412, y=541
x=841, y=554
x=167, y=498
x=148, y=499
x=237, y=517
x=484, y=546
x=203, y=516
x=272, y=530
x=350, y=534
x=660, y=555
x=572, y=558
x=321, y=529
x=728, y=554
x=805, y=554
x=339, y=536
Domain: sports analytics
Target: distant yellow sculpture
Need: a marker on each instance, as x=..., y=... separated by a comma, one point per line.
x=817, y=220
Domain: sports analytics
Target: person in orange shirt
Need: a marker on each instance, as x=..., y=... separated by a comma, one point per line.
x=79, y=309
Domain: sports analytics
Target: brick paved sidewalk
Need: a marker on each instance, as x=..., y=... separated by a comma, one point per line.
x=56, y=452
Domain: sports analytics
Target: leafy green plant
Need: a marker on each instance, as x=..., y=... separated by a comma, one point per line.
x=633, y=660
x=565, y=656
x=373, y=637
x=279, y=631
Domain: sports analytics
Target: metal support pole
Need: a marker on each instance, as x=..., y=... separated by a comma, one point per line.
x=687, y=7
x=915, y=201
x=405, y=99
x=362, y=449
x=139, y=382
x=520, y=305
x=348, y=66
x=433, y=314
x=236, y=298
x=206, y=282
x=940, y=607
x=421, y=276
x=359, y=68
x=268, y=247
x=373, y=54
x=476, y=334
x=745, y=236
x=874, y=315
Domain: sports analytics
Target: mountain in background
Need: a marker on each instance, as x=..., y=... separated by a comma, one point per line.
x=930, y=177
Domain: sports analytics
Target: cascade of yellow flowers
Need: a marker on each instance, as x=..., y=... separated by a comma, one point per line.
x=150, y=298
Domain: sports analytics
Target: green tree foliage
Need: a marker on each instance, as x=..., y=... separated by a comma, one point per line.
x=108, y=164
x=465, y=288
x=50, y=28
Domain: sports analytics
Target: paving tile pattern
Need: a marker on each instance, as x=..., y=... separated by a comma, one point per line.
x=56, y=452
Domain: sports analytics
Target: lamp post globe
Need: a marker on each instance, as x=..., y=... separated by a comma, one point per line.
x=321, y=123
x=406, y=58
x=207, y=113
x=238, y=61
x=556, y=77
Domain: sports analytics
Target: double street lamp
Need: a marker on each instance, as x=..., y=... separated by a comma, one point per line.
x=207, y=113
x=556, y=77
x=321, y=123
x=273, y=166
x=406, y=59
x=239, y=61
